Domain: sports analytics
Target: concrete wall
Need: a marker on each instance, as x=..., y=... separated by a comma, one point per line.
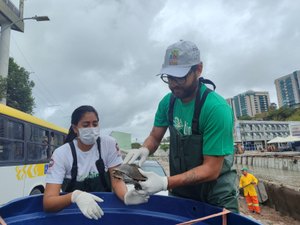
x=289, y=163
x=283, y=199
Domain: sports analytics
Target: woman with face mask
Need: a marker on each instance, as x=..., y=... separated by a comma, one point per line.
x=84, y=164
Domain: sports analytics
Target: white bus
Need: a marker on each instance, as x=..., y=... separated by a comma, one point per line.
x=26, y=145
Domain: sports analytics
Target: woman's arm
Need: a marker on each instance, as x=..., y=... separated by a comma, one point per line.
x=118, y=185
x=54, y=202
x=129, y=197
x=2, y=222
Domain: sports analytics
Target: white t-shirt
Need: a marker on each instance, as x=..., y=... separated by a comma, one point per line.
x=61, y=161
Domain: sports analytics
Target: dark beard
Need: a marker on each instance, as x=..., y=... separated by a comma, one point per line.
x=185, y=92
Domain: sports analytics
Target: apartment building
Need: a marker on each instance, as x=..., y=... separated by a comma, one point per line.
x=288, y=90
x=250, y=103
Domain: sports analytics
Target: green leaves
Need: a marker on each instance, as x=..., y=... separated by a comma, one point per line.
x=19, y=88
x=3, y=85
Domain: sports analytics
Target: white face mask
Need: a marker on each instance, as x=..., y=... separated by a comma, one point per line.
x=89, y=135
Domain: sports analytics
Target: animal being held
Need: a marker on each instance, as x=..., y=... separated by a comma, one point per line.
x=130, y=174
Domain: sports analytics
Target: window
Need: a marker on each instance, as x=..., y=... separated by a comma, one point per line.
x=38, y=147
x=11, y=129
x=15, y=130
x=37, y=134
x=18, y=149
x=4, y=150
x=37, y=152
x=56, y=140
x=2, y=127
x=11, y=151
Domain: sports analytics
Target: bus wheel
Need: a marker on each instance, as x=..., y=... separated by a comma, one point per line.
x=35, y=191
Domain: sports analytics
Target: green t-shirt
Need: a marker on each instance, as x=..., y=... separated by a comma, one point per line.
x=215, y=123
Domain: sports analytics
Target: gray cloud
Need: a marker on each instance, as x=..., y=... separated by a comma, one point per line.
x=106, y=53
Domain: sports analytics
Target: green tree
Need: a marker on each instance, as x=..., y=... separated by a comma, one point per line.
x=164, y=147
x=135, y=145
x=19, y=88
x=2, y=87
x=284, y=113
x=245, y=117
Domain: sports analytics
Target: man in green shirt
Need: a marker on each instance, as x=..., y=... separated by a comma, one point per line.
x=201, y=134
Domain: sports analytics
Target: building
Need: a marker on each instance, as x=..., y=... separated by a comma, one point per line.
x=254, y=135
x=250, y=103
x=123, y=139
x=288, y=90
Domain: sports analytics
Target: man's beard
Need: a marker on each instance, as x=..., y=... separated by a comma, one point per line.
x=184, y=92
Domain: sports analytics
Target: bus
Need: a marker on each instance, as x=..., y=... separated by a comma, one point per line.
x=26, y=145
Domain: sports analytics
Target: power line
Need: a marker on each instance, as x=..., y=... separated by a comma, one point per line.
x=44, y=91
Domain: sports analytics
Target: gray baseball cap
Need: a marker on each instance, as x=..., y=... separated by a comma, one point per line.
x=179, y=58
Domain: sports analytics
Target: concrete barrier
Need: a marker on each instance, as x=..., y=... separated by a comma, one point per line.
x=283, y=199
x=282, y=161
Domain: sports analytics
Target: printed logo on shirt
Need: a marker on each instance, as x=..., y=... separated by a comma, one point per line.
x=182, y=127
x=51, y=163
x=91, y=175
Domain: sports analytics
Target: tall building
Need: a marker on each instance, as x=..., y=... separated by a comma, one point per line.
x=288, y=90
x=250, y=103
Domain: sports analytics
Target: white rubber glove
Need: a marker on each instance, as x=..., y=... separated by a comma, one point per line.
x=87, y=203
x=134, y=154
x=134, y=197
x=154, y=183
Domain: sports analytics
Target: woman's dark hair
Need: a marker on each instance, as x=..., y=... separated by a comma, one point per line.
x=76, y=117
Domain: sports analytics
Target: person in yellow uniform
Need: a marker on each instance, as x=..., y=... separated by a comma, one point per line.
x=248, y=182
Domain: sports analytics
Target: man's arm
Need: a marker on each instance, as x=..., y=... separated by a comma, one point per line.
x=208, y=171
x=150, y=145
x=153, y=140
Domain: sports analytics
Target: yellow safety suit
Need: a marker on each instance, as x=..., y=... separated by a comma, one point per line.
x=250, y=189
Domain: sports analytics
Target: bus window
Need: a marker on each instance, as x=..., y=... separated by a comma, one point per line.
x=56, y=140
x=18, y=151
x=11, y=151
x=39, y=144
x=11, y=129
x=37, y=134
x=37, y=152
x=4, y=150
x=1, y=127
x=15, y=130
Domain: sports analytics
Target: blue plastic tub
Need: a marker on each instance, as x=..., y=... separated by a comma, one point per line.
x=160, y=210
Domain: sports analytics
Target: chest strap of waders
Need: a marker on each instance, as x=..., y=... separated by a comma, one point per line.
x=197, y=109
x=74, y=170
x=101, y=168
x=207, y=81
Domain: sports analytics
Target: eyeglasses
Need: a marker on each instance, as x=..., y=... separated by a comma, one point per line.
x=179, y=80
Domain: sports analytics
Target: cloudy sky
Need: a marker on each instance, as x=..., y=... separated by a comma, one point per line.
x=106, y=53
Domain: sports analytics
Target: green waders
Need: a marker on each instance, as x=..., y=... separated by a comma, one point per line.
x=186, y=153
